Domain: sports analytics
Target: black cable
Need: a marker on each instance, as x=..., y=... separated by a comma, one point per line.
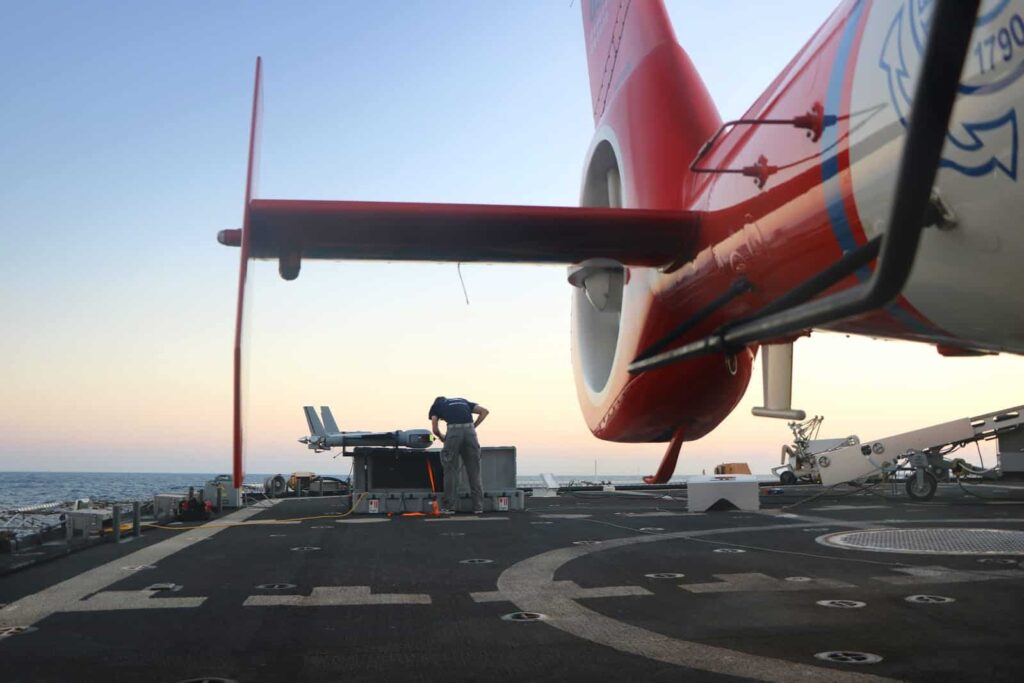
x=830, y=489
x=845, y=266
x=972, y=493
x=458, y=267
x=739, y=286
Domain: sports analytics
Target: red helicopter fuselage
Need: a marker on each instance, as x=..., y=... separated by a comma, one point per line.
x=809, y=178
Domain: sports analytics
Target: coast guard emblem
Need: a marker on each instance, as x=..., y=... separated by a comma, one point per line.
x=995, y=61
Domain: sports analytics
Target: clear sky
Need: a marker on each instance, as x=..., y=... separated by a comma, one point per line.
x=123, y=129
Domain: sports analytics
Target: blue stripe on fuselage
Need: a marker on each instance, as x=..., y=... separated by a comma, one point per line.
x=830, y=164
x=830, y=138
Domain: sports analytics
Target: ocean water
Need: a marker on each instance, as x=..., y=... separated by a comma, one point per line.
x=20, y=489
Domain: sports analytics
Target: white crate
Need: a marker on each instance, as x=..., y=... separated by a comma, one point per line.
x=739, y=489
x=165, y=506
x=87, y=521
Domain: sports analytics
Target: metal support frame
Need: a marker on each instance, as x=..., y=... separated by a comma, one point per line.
x=814, y=121
x=948, y=40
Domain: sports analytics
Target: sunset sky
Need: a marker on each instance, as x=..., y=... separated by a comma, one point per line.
x=124, y=134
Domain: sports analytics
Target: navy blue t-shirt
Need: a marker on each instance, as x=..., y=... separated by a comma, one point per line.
x=453, y=410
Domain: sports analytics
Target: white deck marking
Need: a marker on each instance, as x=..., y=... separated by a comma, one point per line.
x=363, y=520
x=1003, y=487
x=660, y=514
x=267, y=522
x=571, y=590
x=337, y=596
x=109, y=601
x=755, y=581
x=466, y=518
x=938, y=574
x=531, y=587
x=64, y=596
x=644, y=494
x=565, y=516
x=817, y=520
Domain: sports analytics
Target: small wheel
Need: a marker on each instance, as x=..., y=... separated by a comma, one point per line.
x=923, y=491
x=787, y=478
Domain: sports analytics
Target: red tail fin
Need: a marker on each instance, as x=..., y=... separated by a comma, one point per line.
x=619, y=33
x=238, y=445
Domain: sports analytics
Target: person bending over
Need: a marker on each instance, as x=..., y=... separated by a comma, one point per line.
x=461, y=447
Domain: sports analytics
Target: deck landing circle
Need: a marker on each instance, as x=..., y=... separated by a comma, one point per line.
x=930, y=541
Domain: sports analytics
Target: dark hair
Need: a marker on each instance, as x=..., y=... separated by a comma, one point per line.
x=435, y=407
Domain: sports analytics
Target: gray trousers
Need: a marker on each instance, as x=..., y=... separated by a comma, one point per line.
x=461, y=446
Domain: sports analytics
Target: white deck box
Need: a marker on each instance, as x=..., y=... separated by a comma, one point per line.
x=739, y=489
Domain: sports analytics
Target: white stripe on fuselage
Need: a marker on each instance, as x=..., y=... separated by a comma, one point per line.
x=965, y=279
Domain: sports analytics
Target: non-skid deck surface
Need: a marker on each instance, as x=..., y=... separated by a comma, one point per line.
x=628, y=586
